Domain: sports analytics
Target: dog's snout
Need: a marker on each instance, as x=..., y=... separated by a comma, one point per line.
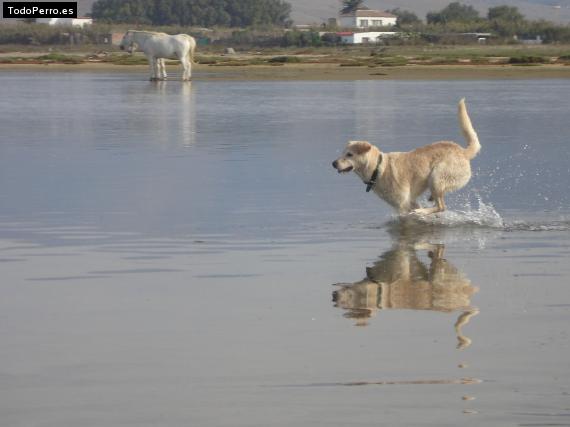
x=335, y=164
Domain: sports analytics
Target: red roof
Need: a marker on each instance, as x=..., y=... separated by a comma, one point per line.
x=345, y=33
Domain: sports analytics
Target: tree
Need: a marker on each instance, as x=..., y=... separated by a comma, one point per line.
x=505, y=13
x=349, y=6
x=234, y=13
x=506, y=20
x=405, y=17
x=453, y=12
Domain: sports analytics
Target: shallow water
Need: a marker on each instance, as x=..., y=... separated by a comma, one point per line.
x=184, y=254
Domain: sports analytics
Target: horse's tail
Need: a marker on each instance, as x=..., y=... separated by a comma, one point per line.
x=192, y=50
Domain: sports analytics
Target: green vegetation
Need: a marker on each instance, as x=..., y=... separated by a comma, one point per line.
x=122, y=59
x=353, y=56
x=455, y=25
x=51, y=58
x=505, y=14
x=285, y=59
x=228, y=13
x=528, y=60
x=301, y=38
x=453, y=12
x=503, y=22
x=35, y=35
x=60, y=58
x=349, y=6
x=31, y=34
x=405, y=17
x=392, y=61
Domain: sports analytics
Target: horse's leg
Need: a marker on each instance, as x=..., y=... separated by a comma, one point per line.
x=152, y=66
x=158, y=68
x=184, y=68
x=189, y=62
x=163, y=69
x=187, y=66
x=183, y=65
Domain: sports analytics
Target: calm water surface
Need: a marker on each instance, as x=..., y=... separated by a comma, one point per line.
x=184, y=254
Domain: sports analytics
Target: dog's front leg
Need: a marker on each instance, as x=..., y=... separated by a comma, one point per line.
x=439, y=207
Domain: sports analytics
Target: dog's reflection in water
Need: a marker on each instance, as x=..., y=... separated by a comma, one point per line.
x=400, y=280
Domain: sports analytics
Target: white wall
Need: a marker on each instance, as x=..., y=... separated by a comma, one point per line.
x=365, y=22
x=369, y=37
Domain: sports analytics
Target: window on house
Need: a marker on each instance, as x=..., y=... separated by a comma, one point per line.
x=365, y=40
x=364, y=22
x=377, y=23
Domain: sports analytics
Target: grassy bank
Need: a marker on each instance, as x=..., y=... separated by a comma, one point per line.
x=370, y=56
x=342, y=62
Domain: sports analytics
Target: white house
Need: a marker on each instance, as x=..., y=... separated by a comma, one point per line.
x=74, y=22
x=366, y=18
x=349, y=37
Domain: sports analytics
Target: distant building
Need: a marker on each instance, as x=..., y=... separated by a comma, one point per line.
x=524, y=40
x=460, y=38
x=74, y=22
x=479, y=37
x=367, y=18
x=349, y=37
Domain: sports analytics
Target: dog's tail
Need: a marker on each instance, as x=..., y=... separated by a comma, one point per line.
x=473, y=145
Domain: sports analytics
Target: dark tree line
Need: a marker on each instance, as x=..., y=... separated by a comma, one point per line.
x=503, y=21
x=453, y=12
x=228, y=13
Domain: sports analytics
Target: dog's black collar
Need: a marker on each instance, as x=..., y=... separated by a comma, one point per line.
x=374, y=176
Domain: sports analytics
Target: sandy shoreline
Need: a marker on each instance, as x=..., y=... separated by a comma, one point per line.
x=323, y=71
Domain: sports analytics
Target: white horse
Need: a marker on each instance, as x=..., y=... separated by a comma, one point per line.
x=157, y=46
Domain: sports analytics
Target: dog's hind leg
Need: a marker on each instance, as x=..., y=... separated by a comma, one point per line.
x=445, y=178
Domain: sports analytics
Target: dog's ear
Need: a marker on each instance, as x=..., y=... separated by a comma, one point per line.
x=360, y=147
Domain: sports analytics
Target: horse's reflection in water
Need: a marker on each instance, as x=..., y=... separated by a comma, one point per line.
x=175, y=112
x=400, y=280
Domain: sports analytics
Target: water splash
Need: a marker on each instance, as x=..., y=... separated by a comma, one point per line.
x=558, y=225
x=483, y=215
x=474, y=213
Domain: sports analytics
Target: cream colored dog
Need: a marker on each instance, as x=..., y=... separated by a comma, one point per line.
x=400, y=178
